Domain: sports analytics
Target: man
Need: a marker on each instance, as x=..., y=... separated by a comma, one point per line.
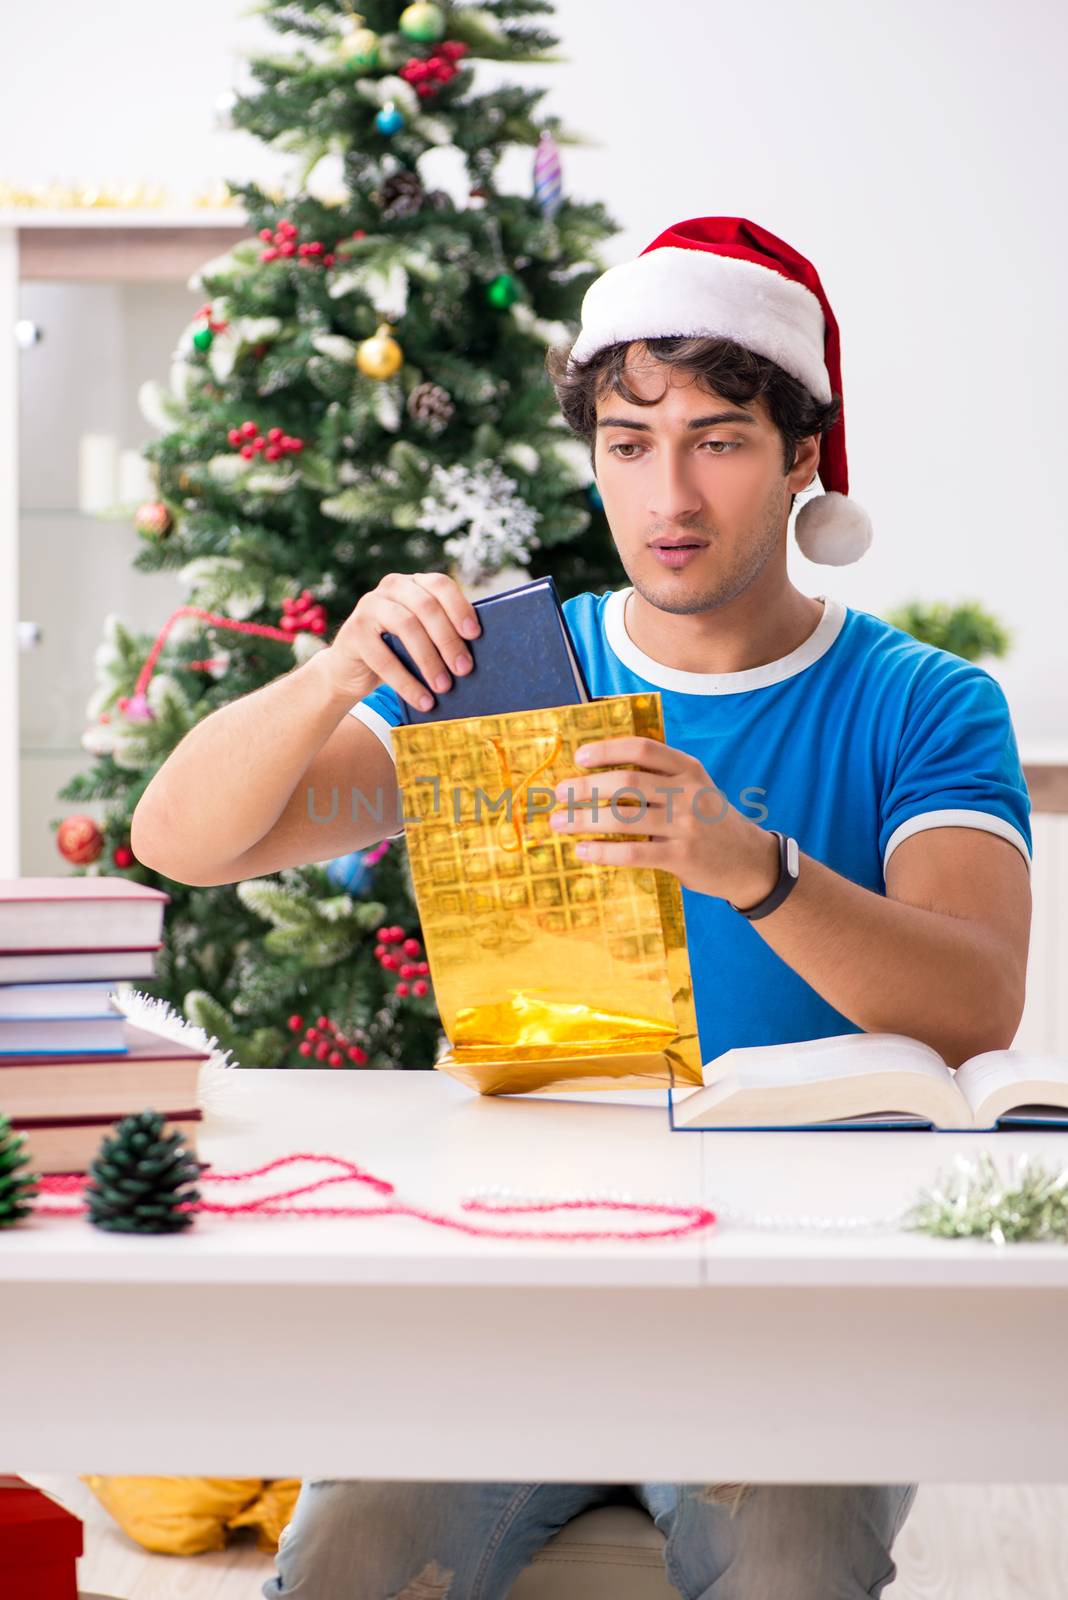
x=888, y=891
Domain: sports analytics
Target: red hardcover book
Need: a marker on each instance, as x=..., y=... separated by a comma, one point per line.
x=40, y=1542
x=89, y=913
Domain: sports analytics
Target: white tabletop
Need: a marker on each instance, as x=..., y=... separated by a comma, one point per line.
x=438, y=1142
x=388, y=1347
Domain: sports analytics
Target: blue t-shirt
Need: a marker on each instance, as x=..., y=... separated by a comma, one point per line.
x=854, y=741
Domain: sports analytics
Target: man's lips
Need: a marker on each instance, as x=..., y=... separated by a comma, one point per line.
x=677, y=544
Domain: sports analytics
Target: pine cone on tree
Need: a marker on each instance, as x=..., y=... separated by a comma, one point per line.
x=431, y=405
x=400, y=195
x=17, y=1189
x=139, y=1179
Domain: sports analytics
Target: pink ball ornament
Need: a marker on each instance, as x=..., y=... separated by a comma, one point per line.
x=152, y=519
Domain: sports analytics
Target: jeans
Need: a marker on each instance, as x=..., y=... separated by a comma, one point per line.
x=369, y=1540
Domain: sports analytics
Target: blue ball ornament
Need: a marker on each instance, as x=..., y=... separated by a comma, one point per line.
x=349, y=873
x=389, y=120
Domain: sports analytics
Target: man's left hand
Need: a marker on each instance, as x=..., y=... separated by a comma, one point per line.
x=683, y=822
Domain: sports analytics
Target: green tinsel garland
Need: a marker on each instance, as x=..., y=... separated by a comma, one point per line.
x=1030, y=1205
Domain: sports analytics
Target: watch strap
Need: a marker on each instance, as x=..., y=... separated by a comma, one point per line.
x=788, y=874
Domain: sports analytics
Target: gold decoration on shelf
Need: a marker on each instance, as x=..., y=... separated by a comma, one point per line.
x=108, y=196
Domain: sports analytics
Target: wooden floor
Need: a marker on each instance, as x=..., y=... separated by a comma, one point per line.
x=990, y=1542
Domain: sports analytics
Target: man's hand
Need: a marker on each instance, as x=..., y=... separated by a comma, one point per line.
x=651, y=789
x=429, y=612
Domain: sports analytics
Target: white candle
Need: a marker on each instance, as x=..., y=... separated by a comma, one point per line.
x=135, y=479
x=97, y=472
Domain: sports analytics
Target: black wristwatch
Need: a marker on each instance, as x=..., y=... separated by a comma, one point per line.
x=789, y=867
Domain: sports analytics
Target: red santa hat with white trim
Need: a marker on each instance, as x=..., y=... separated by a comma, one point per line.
x=729, y=278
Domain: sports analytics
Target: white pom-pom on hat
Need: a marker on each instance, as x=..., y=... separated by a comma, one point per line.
x=832, y=529
x=728, y=278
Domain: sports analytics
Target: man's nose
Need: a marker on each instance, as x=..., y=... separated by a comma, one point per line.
x=673, y=492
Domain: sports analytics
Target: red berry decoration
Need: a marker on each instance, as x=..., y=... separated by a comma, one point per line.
x=284, y=243
x=428, y=75
x=295, y=1023
x=302, y=615
x=326, y=1042
x=391, y=960
x=274, y=444
x=123, y=856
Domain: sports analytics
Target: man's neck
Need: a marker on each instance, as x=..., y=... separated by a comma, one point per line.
x=743, y=633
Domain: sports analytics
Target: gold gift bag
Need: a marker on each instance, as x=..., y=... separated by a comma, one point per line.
x=550, y=972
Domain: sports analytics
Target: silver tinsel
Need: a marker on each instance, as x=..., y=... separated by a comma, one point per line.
x=1031, y=1204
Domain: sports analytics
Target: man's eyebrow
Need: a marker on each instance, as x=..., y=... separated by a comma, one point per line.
x=695, y=422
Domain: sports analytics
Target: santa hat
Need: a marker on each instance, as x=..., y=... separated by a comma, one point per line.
x=727, y=277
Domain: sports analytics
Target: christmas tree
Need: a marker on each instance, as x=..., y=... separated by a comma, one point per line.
x=362, y=391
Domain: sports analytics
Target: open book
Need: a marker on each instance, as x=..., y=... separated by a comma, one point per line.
x=879, y=1080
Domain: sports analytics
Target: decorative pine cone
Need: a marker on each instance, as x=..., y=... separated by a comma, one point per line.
x=439, y=200
x=401, y=195
x=17, y=1189
x=139, y=1179
x=431, y=405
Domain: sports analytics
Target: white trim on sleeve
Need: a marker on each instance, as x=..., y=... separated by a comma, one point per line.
x=986, y=821
x=382, y=732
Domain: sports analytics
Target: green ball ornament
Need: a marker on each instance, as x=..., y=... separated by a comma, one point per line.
x=503, y=291
x=203, y=339
x=359, y=47
x=423, y=22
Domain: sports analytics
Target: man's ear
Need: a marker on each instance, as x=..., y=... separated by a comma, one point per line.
x=803, y=473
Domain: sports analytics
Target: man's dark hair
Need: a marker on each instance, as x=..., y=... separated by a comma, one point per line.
x=721, y=366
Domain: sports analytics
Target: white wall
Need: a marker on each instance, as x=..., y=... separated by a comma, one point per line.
x=913, y=151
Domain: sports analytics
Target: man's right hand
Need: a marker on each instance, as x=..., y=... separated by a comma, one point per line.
x=429, y=612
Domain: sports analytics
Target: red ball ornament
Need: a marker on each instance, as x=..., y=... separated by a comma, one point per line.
x=79, y=840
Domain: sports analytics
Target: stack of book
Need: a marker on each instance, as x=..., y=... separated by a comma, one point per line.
x=71, y=1062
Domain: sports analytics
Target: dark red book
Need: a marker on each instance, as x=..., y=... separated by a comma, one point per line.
x=89, y=913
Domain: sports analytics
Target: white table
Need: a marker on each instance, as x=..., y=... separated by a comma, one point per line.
x=388, y=1348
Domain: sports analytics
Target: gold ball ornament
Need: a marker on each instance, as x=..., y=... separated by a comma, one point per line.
x=359, y=47
x=380, y=356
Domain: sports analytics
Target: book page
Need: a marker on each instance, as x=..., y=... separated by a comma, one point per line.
x=846, y=1055
x=981, y=1076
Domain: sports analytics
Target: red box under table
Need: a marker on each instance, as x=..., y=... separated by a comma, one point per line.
x=40, y=1542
